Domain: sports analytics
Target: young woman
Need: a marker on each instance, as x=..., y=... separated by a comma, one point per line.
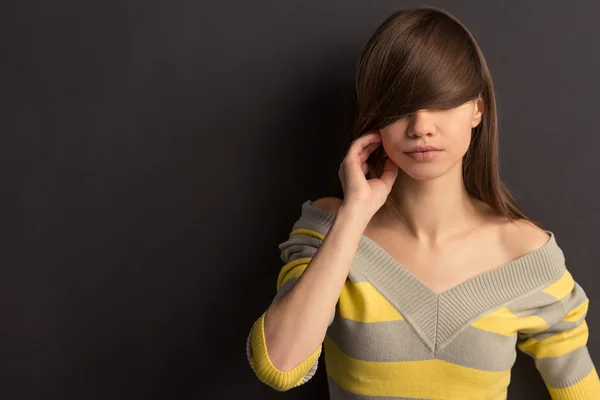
x=425, y=277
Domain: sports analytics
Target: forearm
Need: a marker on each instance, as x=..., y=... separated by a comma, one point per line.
x=295, y=324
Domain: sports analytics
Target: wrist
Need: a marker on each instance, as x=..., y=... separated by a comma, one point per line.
x=355, y=213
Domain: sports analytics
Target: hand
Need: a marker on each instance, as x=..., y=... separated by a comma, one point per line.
x=368, y=194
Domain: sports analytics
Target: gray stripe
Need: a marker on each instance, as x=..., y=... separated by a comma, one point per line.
x=575, y=298
x=394, y=341
x=314, y=218
x=311, y=372
x=472, y=347
x=336, y=392
x=558, y=328
x=355, y=276
x=530, y=304
x=285, y=288
x=377, y=341
x=300, y=251
x=299, y=246
x=535, y=303
x=565, y=370
x=553, y=312
x=303, y=239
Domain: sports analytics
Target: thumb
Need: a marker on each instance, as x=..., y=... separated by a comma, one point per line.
x=390, y=172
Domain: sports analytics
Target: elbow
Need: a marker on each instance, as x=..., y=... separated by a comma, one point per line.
x=279, y=376
x=276, y=353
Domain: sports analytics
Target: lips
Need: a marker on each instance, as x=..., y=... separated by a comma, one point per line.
x=418, y=149
x=423, y=156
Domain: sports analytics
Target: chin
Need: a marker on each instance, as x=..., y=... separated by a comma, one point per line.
x=423, y=172
x=424, y=176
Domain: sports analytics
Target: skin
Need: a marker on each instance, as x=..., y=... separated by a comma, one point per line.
x=442, y=235
x=433, y=199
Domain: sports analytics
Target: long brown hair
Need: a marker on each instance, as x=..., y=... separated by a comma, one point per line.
x=425, y=58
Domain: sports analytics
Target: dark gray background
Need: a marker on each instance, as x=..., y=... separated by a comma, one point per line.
x=154, y=154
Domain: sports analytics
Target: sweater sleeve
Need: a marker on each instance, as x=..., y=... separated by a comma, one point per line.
x=557, y=341
x=296, y=253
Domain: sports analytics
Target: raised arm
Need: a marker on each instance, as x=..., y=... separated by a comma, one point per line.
x=285, y=342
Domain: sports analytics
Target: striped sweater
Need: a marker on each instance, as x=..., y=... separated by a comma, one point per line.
x=391, y=336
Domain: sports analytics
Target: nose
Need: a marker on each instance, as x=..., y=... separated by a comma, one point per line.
x=421, y=124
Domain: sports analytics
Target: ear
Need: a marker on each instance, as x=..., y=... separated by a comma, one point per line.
x=478, y=111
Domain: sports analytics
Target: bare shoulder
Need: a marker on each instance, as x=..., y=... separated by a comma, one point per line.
x=522, y=237
x=329, y=204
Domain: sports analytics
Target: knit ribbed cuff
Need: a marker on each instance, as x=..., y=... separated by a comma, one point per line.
x=586, y=389
x=266, y=371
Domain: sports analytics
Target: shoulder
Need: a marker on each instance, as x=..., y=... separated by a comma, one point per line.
x=548, y=279
x=329, y=204
x=514, y=238
x=522, y=237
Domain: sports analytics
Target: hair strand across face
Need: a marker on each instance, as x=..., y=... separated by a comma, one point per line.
x=425, y=58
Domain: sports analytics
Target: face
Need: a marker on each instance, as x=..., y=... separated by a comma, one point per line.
x=449, y=131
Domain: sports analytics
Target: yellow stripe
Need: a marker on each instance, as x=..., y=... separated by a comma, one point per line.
x=504, y=322
x=292, y=269
x=362, y=302
x=427, y=379
x=561, y=287
x=578, y=312
x=558, y=344
x=304, y=231
x=587, y=388
x=265, y=370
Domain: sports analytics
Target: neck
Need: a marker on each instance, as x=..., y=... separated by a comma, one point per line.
x=432, y=210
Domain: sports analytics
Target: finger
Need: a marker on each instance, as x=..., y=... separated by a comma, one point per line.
x=364, y=140
x=365, y=168
x=357, y=153
x=390, y=172
x=366, y=152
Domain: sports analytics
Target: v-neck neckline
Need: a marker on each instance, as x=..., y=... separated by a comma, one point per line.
x=366, y=242
x=469, y=281
x=439, y=317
